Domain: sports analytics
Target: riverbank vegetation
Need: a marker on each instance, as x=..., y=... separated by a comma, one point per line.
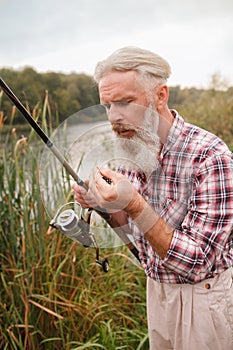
x=53, y=295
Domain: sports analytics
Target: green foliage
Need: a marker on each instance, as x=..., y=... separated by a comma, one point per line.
x=210, y=109
x=67, y=93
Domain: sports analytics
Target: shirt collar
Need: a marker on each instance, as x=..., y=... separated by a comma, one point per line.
x=174, y=133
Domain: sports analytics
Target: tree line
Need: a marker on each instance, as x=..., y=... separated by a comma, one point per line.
x=67, y=93
x=211, y=108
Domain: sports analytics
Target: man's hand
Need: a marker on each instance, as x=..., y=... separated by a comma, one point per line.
x=113, y=197
x=83, y=196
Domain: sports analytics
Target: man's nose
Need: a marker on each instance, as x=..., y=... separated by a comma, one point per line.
x=114, y=113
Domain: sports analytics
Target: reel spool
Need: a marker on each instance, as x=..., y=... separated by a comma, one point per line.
x=68, y=222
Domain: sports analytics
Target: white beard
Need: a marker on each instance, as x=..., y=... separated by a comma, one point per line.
x=140, y=153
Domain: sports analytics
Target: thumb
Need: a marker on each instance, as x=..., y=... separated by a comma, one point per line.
x=110, y=174
x=107, y=175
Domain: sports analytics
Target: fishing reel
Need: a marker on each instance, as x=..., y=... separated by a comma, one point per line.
x=68, y=222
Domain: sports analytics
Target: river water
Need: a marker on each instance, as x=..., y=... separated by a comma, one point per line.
x=84, y=146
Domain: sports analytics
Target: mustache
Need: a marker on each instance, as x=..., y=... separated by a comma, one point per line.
x=142, y=133
x=118, y=127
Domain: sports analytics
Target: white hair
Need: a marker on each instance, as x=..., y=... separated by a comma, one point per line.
x=148, y=64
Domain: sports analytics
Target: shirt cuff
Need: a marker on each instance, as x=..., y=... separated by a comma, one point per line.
x=184, y=257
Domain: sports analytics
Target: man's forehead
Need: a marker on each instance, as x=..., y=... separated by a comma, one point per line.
x=117, y=85
x=113, y=77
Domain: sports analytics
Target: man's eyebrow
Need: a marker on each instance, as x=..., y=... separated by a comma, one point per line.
x=122, y=99
x=119, y=101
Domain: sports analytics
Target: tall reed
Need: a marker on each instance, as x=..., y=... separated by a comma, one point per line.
x=52, y=294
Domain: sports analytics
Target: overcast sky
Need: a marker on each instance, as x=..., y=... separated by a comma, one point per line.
x=196, y=36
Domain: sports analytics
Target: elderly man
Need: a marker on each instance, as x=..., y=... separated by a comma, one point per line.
x=176, y=194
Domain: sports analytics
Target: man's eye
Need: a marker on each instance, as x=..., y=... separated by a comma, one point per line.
x=122, y=104
x=107, y=106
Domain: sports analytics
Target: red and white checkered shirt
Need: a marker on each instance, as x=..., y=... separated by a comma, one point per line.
x=192, y=190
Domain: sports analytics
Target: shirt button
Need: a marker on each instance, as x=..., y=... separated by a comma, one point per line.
x=207, y=286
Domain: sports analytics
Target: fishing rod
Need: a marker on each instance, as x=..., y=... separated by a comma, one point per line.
x=67, y=221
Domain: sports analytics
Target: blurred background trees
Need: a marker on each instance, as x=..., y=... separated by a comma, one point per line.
x=68, y=93
x=211, y=108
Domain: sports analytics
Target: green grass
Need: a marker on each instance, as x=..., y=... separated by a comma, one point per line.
x=52, y=294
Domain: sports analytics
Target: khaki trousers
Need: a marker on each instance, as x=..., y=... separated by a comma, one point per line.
x=191, y=317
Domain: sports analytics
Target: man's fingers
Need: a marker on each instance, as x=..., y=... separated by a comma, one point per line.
x=83, y=197
x=111, y=175
x=112, y=196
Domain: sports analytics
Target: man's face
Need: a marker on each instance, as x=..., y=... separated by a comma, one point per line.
x=121, y=94
x=134, y=124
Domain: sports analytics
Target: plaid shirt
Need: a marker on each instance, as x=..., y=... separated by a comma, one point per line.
x=192, y=190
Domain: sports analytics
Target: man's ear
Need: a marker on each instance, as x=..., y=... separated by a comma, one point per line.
x=162, y=96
